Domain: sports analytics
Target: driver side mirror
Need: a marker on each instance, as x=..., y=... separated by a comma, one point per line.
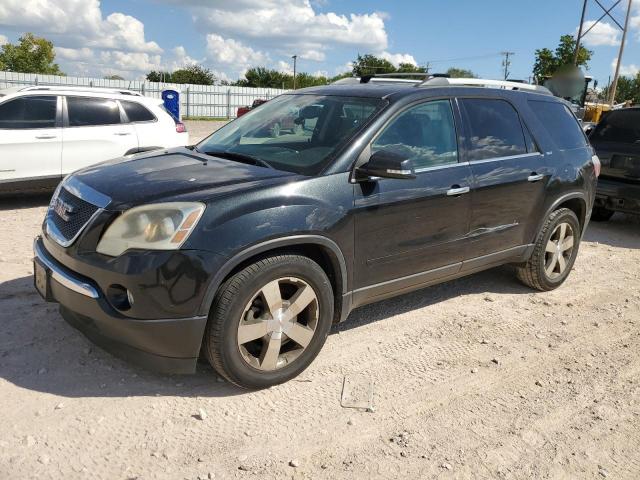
x=386, y=164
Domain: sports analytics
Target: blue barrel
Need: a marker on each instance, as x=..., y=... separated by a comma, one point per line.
x=171, y=100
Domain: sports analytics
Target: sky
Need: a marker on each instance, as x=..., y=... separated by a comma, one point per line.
x=132, y=37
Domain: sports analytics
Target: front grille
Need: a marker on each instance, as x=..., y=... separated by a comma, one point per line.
x=77, y=212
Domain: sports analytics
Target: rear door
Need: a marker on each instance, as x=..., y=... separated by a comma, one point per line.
x=150, y=130
x=412, y=231
x=617, y=142
x=31, y=140
x=94, y=131
x=509, y=173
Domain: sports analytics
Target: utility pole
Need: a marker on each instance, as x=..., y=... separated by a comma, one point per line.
x=295, y=61
x=575, y=52
x=614, y=85
x=506, y=63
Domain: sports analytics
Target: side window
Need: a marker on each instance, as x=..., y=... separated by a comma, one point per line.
x=559, y=123
x=494, y=129
x=86, y=112
x=29, y=112
x=137, y=113
x=427, y=132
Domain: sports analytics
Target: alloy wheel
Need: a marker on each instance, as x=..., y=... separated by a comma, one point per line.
x=278, y=323
x=558, y=250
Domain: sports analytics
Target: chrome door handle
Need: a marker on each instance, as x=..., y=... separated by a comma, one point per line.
x=45, y=137
x=453, y=192
x=122, y=134
x=534, y=177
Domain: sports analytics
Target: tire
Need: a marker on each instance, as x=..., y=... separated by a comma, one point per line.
x=601, y=214
x=275, y=130
x=243, y=309
x=537, y=272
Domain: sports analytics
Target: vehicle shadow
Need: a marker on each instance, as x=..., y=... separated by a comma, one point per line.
x=621, y=231
x=39, y=351
x=21, y=201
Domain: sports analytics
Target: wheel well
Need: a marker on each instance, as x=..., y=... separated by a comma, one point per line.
x=321, y=255
x=577, y=206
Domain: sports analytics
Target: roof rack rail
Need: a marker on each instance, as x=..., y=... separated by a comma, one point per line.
x=482, y=82
x=398, y=77
x=74, y=88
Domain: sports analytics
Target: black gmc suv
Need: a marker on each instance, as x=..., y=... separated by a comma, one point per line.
x=245, y=248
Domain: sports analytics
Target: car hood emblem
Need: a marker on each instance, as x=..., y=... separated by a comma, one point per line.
x=63, y=209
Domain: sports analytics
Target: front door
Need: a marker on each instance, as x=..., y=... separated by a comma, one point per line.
x=411, y=231
x=509, y=173
x=30, y=141
x=94, y=132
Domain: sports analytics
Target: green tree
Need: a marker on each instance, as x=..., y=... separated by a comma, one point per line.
x=410, y=68
x=547, y=62
x=113, y=77
x=628, y=89
x=193, y=74
x=370, y=64
x=455, y=72
x=30, y=55
x=159, y=76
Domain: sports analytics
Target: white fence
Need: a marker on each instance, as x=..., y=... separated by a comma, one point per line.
x=195, y=100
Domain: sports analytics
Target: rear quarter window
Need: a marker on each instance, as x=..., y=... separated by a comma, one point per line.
x=137, y=113
x=559, y=123
x=620, y=126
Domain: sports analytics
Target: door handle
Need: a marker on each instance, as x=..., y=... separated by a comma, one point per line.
x=456, y=190
x=122, y=134
x=534, y=177
x=45, y=137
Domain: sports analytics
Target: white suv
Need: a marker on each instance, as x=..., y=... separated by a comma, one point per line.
x=48, y=132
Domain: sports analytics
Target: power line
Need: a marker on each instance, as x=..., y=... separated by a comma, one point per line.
x=460, y=59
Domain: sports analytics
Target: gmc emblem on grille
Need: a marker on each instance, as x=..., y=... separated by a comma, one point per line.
x=63, y=209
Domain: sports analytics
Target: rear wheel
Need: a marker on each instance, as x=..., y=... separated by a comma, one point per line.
x=269, y=321
x=554, y=252
x=601, y=214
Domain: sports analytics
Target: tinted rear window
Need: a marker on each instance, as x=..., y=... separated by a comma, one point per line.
x=495, y=129
x=29, y=112
x=137, y=113
x=621, y=126
x=86, y=112
x=560, y=123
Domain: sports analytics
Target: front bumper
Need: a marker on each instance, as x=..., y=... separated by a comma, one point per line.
x=164, y=345
x=619, y=196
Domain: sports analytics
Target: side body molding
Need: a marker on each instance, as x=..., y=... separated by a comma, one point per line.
x=271, y=245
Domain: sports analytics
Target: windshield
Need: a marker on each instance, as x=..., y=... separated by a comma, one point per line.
x=296, y=133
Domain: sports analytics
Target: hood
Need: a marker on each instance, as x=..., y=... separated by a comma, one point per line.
x=172, y=174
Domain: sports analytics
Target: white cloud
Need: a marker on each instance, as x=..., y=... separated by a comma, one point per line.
x=75, y=54
x=398, y=58
x=625, y=70
x=70, y=23
x=313, y=55
x=602, y=34
x=3, y=40
x=232, y=52
x=285, y=67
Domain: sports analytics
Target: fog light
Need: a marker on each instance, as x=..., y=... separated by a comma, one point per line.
x=119, y=297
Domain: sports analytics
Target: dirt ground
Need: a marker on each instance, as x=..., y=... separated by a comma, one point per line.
x=475, y=378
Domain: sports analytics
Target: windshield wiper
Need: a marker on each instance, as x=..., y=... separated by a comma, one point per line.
x=240, y=157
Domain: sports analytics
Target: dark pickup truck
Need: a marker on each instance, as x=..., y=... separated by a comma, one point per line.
x=616, y=140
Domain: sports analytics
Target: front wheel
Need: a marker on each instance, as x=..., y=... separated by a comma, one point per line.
x=554, y=252
x=269, y=321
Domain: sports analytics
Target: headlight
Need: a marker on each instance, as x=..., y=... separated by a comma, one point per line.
x=160, y=226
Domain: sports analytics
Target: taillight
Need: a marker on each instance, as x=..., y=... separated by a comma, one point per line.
x=180, y=127
x=597, y=166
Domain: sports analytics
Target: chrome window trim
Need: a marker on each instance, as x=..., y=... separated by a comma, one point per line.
x=61, y=276
x=508, y=157
x=440, y=167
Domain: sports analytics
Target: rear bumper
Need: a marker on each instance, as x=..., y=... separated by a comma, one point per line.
x=619, y=196
x=165, y=345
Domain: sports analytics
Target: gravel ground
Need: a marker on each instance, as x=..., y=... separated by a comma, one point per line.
x=475, y=378
x=199, y=129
